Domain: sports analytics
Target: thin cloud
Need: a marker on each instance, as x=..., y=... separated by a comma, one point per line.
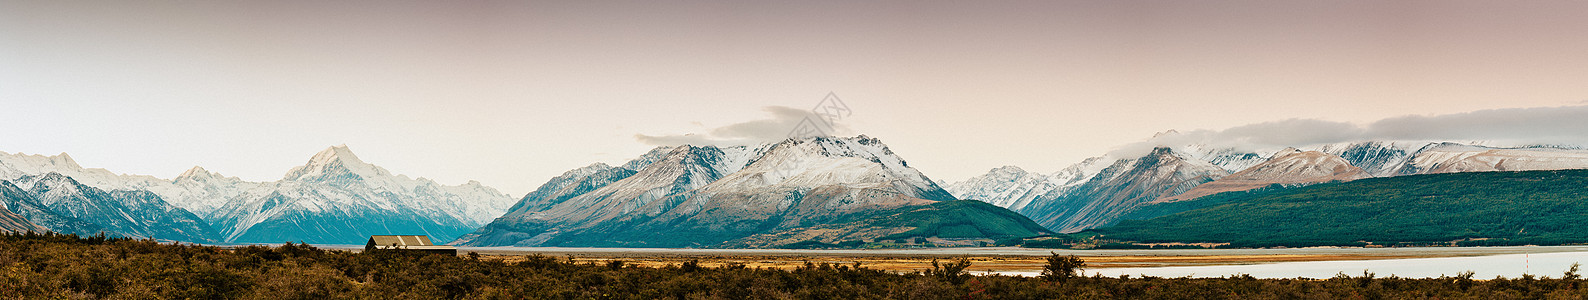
x=777, y=127
x=1567, y=125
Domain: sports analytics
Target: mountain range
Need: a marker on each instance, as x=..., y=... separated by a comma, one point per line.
x=1099, y=191
x=335, y=198
x=59, y=203
x=820, y=191
x=815, y=190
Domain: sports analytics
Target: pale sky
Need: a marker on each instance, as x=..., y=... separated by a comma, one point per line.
x=512, y=93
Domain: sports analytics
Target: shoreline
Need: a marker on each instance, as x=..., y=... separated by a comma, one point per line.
x=994, y=259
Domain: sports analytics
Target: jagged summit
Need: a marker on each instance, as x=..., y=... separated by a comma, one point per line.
x=327, y=199
x=64, y=160
x=338, y=152
x=594, y=166
x=16, y=165
x=1119, y=188
x=1290, y=167
x=335, y=163
x=63, y=204
x=195, y=172
x=1286, y=151
x=1010, y=169
x=1455, y=157
x=1008, y=187
x=694, y=196
x=52, y=183
x=336, y=197
x=198, y=173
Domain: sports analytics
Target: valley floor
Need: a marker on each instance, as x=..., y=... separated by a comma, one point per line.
x=1004, y=260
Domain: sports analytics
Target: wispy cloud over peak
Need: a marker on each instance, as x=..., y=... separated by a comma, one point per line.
x=775, y=127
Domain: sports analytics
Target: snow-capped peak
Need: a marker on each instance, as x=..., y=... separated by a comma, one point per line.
x=53, y=184
x=1286, y=151
x=1008, y=186
x=337, y=161
x=592, y=168
x=65, y=161
x=19, y=164
x=817, y=161
x=335, y=153
x=1009, y=170
x=198, y=172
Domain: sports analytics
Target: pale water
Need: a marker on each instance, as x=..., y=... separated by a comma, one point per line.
x=1485, y=267
x=1548, y=264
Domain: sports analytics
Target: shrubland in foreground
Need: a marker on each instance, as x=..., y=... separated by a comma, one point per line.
x=63, y=266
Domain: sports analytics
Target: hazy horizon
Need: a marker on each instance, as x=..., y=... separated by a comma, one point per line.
x=514, y=93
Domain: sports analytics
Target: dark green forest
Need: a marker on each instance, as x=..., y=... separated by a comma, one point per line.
x=63, y=266
x=1465, y=209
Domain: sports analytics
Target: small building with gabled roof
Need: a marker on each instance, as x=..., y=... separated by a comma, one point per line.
x=416, y=243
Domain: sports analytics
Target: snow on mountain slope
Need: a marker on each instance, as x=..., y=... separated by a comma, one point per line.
x=1397, y=158
x=327, y=184
x=860, y=162
x=1019, y=193
x=800, y=182
x=1378, y=158
x=196, y=190
x=24, y=204
x=1288, y=167
x=648, y=158
x=594, y=176
x=1119, y=189
x=11, y=221
x=568, y=185
x=336, y=198
x=1295, y=166
x=13, y=166
x=1228, y=159
x=1065, y=190
x=1008, y=187
x=202, y=191
x=1454, y=158
x=132, y=213
x=701, y=196
x=679, y=170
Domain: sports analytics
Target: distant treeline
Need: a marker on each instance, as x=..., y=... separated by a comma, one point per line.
x=1461, y=209
x=40, y=266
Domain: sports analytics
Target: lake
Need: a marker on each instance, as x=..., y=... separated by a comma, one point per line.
x=1484, y=267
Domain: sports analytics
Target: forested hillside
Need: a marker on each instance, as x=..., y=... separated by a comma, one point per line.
x=1487, y=208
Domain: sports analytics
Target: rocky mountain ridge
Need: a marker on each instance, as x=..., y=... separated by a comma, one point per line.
x=766, y=195
x=318, y=201
x=1320, y=163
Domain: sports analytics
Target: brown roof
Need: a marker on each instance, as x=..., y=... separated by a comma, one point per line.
x=411, y=242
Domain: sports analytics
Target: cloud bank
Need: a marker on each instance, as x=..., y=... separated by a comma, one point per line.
x=777, y=127
x=1567, y=125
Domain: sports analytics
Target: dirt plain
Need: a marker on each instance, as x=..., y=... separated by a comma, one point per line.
x=912, y=263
